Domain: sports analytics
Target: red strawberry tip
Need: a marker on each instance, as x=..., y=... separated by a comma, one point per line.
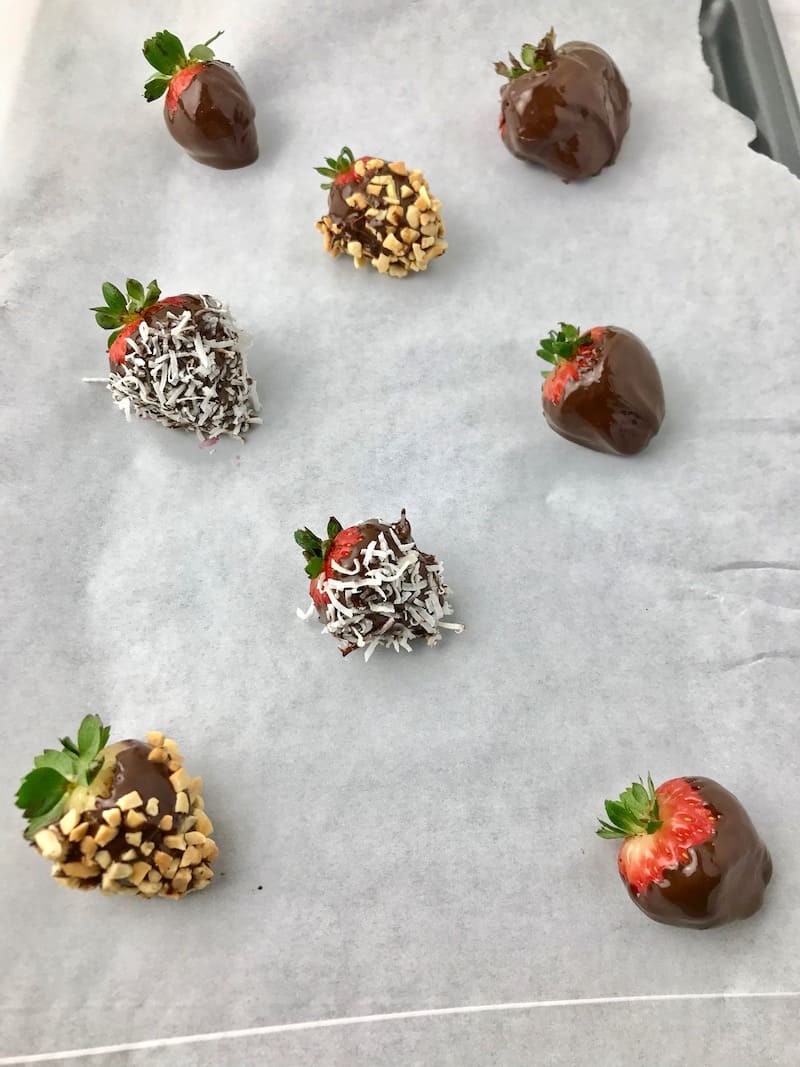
x=122, y=312
x=320, y=555
x=659, y=827
x=570, y=351
x=342, y=169
x=174, y=66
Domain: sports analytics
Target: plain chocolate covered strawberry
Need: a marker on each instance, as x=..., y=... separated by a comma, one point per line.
x=177, y=360
x=380, y=213
x=565, y=108
x=122, y=818
x=690, y=856
x=207, y=109
x=372, y=586
x=604, y=391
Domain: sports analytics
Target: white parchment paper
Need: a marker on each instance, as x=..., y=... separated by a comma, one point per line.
x=422, y=826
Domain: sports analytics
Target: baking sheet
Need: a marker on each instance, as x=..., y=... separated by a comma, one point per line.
x=742, y=47
x=422, y=826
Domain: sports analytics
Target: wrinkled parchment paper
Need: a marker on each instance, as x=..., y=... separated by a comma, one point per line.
x=417, y=832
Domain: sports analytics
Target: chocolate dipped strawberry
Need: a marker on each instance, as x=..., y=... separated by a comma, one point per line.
x=207, y=109
x=564, y=108
x=380, y=213
x=690, y=856
x=177, y=360
x=372, y=586
x=604, y=390
x=122, y=818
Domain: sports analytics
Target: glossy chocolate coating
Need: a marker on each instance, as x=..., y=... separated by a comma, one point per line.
x=727, y=876
x=571, y=117
x=353, y=220
x=619, y=405
x=214, y=118
x=134, y=771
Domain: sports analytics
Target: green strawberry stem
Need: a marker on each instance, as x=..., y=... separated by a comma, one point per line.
x=315, y=550
x=166, y=53
x=44, y=791
x=536, y=58
x=120, y=308
x=334, y=167
x=634, y=814
x=561, y=345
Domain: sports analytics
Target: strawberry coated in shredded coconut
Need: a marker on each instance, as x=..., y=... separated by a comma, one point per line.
x=187, y=371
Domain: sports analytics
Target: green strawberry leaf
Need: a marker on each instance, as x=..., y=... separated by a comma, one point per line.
x=113, y=297
x=528, y=54
x=89, y=737
x=44, y=792
x=69, y=745
x=201, y=52
x=635, y=813
x=164, y=51
x=121, y=309
x=152, y=293
x=562, y=344
x=335, y=167
x=135, y=292
x=315, y=550
x=314, y=567
x=609, y=832
x=535, y=58
x=155, y=87
x=47, y=818
x=40, y=790
x=306, y=539
x=334, y=528
x=63, y=762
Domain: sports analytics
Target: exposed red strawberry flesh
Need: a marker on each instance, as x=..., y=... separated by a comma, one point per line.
x=179, y=83
x=117, y=351
x=119, y=348
x=685, y=822
x=573, y=369
x=342, y=546
x=350, y=175
x=556, y=382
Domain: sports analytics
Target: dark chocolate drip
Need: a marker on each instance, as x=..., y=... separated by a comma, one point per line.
x=728, y=879
x=214, y=118
x=353, y=220
x=571, y=117
x=134, y=771
x=618, y=406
